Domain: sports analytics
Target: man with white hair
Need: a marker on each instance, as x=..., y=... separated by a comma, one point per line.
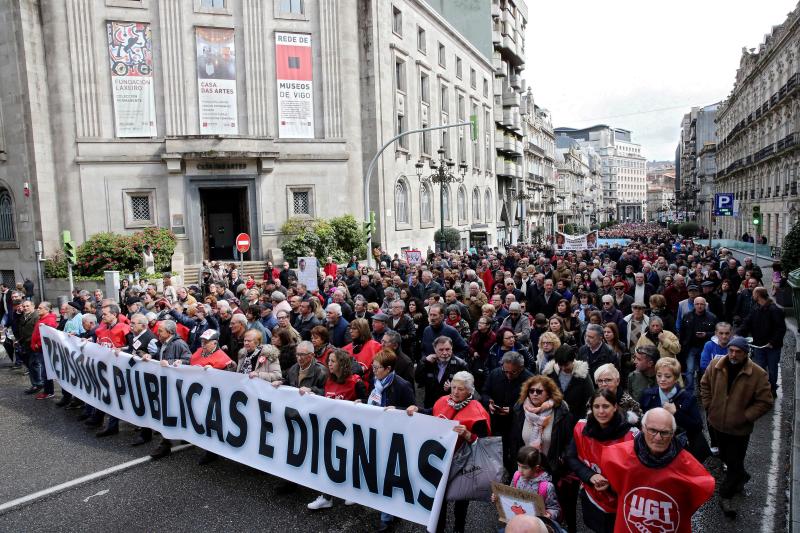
x=475, y=299
x=338, y=327
x=660, y=485
x=279, y=303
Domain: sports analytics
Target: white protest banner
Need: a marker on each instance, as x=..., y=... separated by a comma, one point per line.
x=382, y=459
x=587, y=241
x=307, y=272
x=295, y=80
x=216, y=81
x=130, y=51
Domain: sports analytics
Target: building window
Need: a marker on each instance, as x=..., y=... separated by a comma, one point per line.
x=485, y=88
x=442, y=58
x=401, y=202
x=7, y=278
x=446, y=144
x=400, y=75
x=425, y=138
x=444, y=99
x=473, y=78
x=301, y=202
x=446, y=202
x=476, y=152
x=397, y=21
x=425, y=203
x=422, y=40
x=213, y=4
x=462, y=205
x=459, y=68
x=424, y=88
x=476, y=205
x=487, y=208
x=140, y=208
x=7, y=230
x=292, y=7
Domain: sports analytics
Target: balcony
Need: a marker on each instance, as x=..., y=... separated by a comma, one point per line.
x=516, y=81
x=495, y=9
x=511, y=99
x=535, y=148
x=496, y=37
x=497, y=64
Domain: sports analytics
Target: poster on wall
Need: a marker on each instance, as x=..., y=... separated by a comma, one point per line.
x=216, y=81
x=130, y=53
x=587, y=241
x=413, y=257
x=295, y=85
x=307, y=272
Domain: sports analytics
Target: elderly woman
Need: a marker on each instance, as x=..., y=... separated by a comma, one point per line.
x=259, y=360
x=680, y=402
x=283, y=340
x=548, y=344
x=320, y=338
x=473, y=422
x=540, y=399
x=506, y=341
x=666, y=341
x=455, y=320
x=607, y=377
x=604, y=426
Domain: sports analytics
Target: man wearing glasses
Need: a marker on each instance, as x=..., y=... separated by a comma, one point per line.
x=659, y=484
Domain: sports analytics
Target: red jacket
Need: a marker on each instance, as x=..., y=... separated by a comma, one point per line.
x=472, y=413
x=365, y=356
x=342, y=391
x=36, y=340
x=115, y=337
x=590, y=451
x=331, y=269
x=655, y=499
x=180, y=329
x=218, y=359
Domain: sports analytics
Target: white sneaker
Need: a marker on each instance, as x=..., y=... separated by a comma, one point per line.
x=349, y=502
x=320, y=503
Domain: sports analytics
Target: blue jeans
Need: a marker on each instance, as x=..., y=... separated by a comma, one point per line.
x=692, y=364
x=768, y=359
x=386, y=518
x=36, y=368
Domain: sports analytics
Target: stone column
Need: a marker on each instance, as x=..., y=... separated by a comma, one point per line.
x=330, y=50
x=173, y=60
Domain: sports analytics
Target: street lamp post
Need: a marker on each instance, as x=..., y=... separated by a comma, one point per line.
x=521, y=198
x=442, y=174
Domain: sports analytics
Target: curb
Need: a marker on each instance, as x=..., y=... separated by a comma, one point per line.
x=793, y=524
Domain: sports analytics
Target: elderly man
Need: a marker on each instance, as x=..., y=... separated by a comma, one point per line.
x=609, y=313
x=339, y=298
x=338, y=327
x=404, y=325
x=622, y=301
x=686, y=306
x=659, y=484
x=767, y=326
x=735, y=393
x=636, y=325
x=474, y=301
x=438, y=328
x=404, y=367
x=379, y=322
x=238, y=328
x=596, y=352
x=435, y=371
x=279, y=302
x=696, y=328
x=500, y=393
x=641, y=291
x=547, y=300
x=518, y=323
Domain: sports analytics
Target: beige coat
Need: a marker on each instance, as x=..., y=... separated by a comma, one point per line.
x=270, y=369
x=669, y=346
x=749, y=399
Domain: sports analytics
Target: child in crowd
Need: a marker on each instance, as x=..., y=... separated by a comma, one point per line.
x=531, y=477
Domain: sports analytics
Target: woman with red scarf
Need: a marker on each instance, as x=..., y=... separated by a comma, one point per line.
x=603, y=426
x=364, y=347
x=473, y=422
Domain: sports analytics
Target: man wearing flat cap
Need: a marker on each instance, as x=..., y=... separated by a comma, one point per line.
x=712, y=298
x=379, y=322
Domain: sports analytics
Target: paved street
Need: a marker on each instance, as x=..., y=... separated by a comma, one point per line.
x=44, y=446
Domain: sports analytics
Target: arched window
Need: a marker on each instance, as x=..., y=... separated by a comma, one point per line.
x=7, y=232
x=446, y=202
x=401, y=203
x=425, y=203
x=487, y=205
x=476, y=205
x=462, y=205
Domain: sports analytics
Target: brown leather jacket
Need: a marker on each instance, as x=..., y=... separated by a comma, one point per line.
x=735, y=411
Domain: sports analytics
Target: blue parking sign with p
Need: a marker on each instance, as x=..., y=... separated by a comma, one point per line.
x=723, y=204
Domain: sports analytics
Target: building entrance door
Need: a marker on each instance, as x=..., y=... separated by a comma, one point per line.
x=225, y=214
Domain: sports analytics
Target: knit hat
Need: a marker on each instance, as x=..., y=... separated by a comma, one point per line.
x=739, y=342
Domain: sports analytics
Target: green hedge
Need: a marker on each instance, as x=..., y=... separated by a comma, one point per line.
x=111, y=251
x=790, y=252
x=340, y=237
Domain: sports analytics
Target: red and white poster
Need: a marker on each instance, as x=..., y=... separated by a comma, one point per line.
x=216, y=81
x=130, y=52
x=295, y=85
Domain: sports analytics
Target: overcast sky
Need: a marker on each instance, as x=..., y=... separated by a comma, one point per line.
x=619, y=62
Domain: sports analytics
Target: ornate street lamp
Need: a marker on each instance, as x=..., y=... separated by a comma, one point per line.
x=442, y=173
x=521, y=197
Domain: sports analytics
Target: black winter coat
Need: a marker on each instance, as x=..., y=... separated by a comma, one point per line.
x=560, y=438
x=426, y=378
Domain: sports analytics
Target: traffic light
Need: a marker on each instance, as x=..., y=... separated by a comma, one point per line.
x=68, y=245
x=758, y=218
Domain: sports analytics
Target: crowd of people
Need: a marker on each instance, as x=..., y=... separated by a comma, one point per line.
x=594, y=367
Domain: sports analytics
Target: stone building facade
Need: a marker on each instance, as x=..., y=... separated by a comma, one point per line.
x=758, y=150
x=249, y=176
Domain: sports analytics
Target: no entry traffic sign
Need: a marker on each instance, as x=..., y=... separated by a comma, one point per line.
x=243, y=242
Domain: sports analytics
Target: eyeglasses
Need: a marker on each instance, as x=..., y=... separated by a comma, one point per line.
x=664, y=434
x=535, y=392
x=605, y=380
x=304, y=353
x=376, y=367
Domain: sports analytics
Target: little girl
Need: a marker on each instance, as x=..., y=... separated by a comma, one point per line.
x=531, y=477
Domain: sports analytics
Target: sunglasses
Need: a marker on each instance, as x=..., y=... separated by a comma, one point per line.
x=535, y=392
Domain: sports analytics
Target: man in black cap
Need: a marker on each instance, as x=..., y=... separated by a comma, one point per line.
x=379, y=325
x=712, y=298
x=686, y=306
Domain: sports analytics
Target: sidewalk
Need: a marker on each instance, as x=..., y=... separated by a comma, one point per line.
x=794, y=485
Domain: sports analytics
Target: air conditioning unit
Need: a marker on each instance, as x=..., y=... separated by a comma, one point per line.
x=401, y=104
